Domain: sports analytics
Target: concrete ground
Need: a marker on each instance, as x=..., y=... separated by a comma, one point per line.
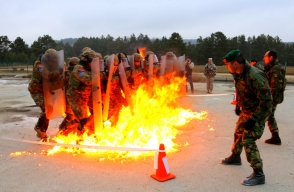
x=196, y=166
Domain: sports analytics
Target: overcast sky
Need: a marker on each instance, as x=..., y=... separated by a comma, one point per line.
x=30, y=19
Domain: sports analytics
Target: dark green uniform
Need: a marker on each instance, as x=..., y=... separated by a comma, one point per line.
x=254, y=97
x=277, y=82
x=259, y=66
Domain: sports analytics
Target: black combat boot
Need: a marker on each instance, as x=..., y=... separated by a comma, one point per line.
x=275, y=139
x=63, y=124
x=233, y=159
x=82, y=124
x=256, y=178
x=42, y=126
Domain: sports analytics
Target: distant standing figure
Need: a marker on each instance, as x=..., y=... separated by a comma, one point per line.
x=277, y=82
x=253, y=62
x=189, y=65
x=209, y=72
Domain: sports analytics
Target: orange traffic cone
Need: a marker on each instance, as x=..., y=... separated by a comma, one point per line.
x=161, y=166
x=234, y=102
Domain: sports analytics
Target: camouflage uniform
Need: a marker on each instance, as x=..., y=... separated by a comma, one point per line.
x=137, y=78
x=209, y=72
x=259, y=66
x=156, y=67
x=253, y=96
x=170, y=68
x=70, y=117
x=116, y=98
x=277, y=82
x=102, y=77
x=80, y=88
x=36, y=90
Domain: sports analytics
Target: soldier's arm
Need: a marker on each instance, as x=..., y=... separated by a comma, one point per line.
x=262, y=90
x=82, y=75
x=275, y=83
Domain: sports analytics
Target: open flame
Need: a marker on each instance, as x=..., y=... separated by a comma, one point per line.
x=154, y=119
x=142, y=50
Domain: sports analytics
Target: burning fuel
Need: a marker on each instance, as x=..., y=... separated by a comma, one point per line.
x=153, y=119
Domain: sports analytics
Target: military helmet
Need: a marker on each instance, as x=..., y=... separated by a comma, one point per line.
x=73, y=61
x=137, y=57
x=105, y=57
x=85, y=48
x=170, y=55
x=147, y=55
x=88, y=55
x=51, y=54
x=116, y=61
x=51, y=51
x=50, y=59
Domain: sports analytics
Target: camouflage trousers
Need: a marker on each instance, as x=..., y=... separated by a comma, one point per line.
x=79, y=106
x=70, y=119
x=271, y=122
x=246, y=138
x=68, y=111
x=209, y=83
x=42, y=122
x=39, y=100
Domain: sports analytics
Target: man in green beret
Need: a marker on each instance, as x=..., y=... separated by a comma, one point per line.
x=253, y=62
x=276, y=77
x=254, y=99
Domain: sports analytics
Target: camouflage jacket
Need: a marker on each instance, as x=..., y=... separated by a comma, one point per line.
x=277, y=82
x=137, y=78
x=80, y=83
x=36, y=83
x=253, y=93
x=259, y=66
x=210, y=70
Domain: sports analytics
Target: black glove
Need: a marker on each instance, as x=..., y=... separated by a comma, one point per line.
x=249, y=124
x=237, y=110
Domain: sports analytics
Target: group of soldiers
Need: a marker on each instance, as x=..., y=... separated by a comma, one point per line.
x=73, y=90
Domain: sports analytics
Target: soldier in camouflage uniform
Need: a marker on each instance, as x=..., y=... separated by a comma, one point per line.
x=36, y=87
x=137, y=78
x=209, y=72
x=70, y=117
x=80, y=88
x=253, y=62
x=276, y=77
x=254, y=98
x=117, y=99
x=103, y=79
x=156, y=66
x=124, y=60
x=36, y=90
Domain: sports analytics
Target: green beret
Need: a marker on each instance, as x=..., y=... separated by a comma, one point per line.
x=253, y=59
x=231, y=56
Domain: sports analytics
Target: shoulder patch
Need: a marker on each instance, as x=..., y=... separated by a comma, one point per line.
x=81, y=72
x=40, y=68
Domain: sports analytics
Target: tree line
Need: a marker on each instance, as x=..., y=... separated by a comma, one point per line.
x=214, y=46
